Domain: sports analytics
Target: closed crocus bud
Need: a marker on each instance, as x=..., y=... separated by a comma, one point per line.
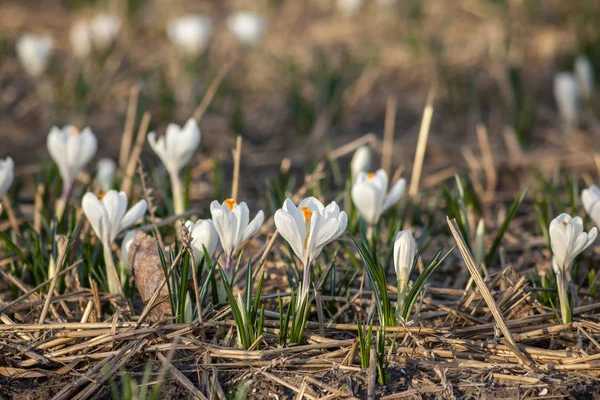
x=105, y=174
x=204, y=235
x=590, y=198
x=584, y=72
x=565, y=94
x=104, y=30
x=34, y=52
x=370, y=195
x=125, y=245
x=80, y=38
x=361, y=161
x=191, y=34
x=349, y=7
x=247, y=27
x=7, y=174
x=405, y=250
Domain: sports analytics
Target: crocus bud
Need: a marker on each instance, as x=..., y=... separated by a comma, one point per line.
x=105, y=174
x=405, y=249
x=34, y=52
x=361, y=161
x=247, y=27
x=104, y=29
x=124, y=262
x=191, y=34
x=565, y=94
x=80, y=38
x=584, y=72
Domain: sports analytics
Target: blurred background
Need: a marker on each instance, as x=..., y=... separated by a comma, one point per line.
x=303, y=77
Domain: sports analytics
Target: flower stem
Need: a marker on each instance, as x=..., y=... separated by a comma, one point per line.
x=178, y=194
x=229, y=268
x=61, y=203
x=561, y=283
x=305, y=281
x=401, y=297
x=114, y=284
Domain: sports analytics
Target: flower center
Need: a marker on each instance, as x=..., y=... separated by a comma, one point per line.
x=230, y=203
x=74, y=132
x=307, y=216
x=101, y=196
x=564, y=223
x=370, y=175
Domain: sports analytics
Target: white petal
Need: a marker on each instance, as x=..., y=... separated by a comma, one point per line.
x=395, y=194
x=288, y=229
x=134, y=214
x=368, y=200
x=94, y=211
x=253, y=226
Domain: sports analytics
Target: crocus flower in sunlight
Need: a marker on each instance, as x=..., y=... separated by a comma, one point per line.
x=190, y=34
x=568, y=240
x=124, y=262
x=204, y=235
x=584, y=72
x=247, y=27
x=108, y=216
x=361, y=161
x=175, y=149
x=566, y=96
x=71, y=149
x=7, y=174
x=405, y=250
x=105, y=174
x=81, y=39
x=232, y=222
x=590, y=198
x=349, y=7
x=308, y=228
x=370, y=195
x=34, y=52
x=104, y=29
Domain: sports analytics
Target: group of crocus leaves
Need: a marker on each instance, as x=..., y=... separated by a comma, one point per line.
x=307, y=227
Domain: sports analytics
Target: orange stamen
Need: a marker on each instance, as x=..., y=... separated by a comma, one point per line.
x=564, y=223
x=74, y=132
x=370, y=175
x=101, y=196
x=307, y=216
x=230, y=203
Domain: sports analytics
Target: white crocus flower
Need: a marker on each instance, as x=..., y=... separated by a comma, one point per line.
x=405, y=250
x=71, y=149
x=349, y=7
x=34, y=52
x=108, y=216
x=104, y=29
x=308, y=228
x=247, y=27
x=7, y=174
x=124, y=262
x=361, y=161
x=105, y=174
x=584, y=72
x=81, y=39
x=204, y=235
x=566, y=96
x=232, y=222
x=191, y=34
x=567, y=240
x=175, y=149
x=370, y=195
x=590, y=198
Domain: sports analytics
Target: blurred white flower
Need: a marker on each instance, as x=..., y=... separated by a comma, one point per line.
x=7, y=174
x=567, y=240
x=565, y=94
x=104, y=29
x=175, y=149
x=232, y=222
x=204, y=235
x=584, y=72
x=247, y=27
x=81, y=39
x=590, y=198
x=370, y=196
x=124, y=262
x=71, y=149
x=105, y=173
x=361, y=161
x=308, y=228
x=349, y=7
x=34, y=52
x=191, y=34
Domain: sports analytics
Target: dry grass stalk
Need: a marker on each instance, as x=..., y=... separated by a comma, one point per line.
x=421, y=145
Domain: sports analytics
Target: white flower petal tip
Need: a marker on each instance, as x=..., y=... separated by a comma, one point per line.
x=361, y=161
x=247, y=27
x=370, y=195
x=108, y=214
x=7, y=175
x=105, y=173
x=71, y=149
x=176, y=148
x=34, y=52
x=310, y=226
x=191, y=34
x=233, y=225
x=584, y=72
x=566, y=94
x=568, y=240
x=204, y=235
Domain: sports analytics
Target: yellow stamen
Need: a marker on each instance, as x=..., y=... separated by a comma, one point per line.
x=101, y=195
x=564, y=223
x=370, y=175
x=307, y=216
x=230, y=203
x=74, y=132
